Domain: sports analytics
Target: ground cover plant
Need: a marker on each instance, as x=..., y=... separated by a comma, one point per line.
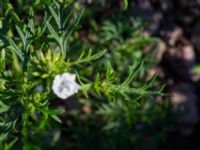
x=70, y=81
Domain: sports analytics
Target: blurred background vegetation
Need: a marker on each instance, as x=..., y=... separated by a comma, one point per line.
x=165, y=36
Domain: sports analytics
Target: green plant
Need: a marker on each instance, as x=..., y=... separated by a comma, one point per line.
x=34, y=51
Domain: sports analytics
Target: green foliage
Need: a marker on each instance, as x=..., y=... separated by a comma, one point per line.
x=41, y=41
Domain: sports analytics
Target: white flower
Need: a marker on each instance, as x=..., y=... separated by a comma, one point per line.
x=65, y=85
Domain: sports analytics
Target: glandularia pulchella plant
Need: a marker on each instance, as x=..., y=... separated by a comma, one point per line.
x=36, y=67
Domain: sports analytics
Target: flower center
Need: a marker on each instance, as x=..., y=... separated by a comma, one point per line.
x=64, y=85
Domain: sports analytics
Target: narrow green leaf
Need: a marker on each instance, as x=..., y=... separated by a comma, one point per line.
x=9, y=145
x=74, y=25
x=31, y=25
x=125, y=4
x=3, y=136
x=89, y=57
x=55, y=16
x=109, y=70
x=3, y=107
x=149, y=83
x=56, y=118
x=97, y=84
x=15, y=48
x=55, y=111
x=132, y=72
x=53, y=32
x=77, y=20
x=21, y=34
x=67, y=18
